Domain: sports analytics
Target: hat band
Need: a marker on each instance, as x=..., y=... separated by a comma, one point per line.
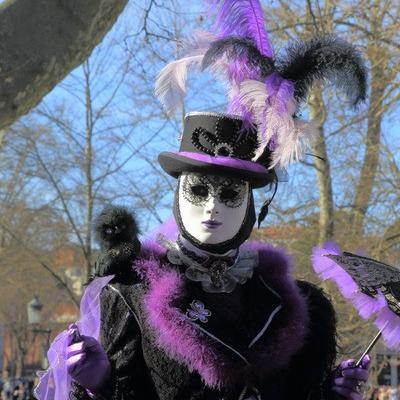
x=225, y=161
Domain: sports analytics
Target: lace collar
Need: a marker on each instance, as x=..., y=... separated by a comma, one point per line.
x=216, y=273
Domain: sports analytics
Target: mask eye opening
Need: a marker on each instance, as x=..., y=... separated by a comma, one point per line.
x=228, y=194
x=200, y=190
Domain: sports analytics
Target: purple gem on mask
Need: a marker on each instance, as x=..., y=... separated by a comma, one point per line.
x=198, y=312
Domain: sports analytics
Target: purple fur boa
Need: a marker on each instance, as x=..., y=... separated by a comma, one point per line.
x=185, y=343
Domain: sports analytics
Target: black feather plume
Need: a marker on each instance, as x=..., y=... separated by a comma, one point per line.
x=117, y=233
x=240, y=49
x=325, y=58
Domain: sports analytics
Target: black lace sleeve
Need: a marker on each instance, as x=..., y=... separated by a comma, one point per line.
x=121, y=339
x=310, y=374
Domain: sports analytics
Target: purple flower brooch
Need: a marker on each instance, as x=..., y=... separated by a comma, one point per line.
x=198, y=312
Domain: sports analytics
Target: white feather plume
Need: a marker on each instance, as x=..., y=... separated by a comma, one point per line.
x=195, y=44
x=170, y=86
x=291, y=136
x=253, y=95
x=292, y=147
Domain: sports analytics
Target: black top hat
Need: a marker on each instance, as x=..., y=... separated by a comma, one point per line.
x=222, y=144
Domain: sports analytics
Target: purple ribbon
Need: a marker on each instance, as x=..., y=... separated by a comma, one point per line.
x=224, y=161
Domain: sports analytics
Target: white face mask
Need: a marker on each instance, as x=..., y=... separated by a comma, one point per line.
x=212, y=208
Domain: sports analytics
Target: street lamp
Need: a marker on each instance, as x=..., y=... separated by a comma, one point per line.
x=34, y=309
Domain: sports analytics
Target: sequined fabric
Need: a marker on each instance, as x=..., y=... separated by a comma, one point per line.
x=198, y=189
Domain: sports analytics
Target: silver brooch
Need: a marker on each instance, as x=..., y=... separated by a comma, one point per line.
x=198, y=312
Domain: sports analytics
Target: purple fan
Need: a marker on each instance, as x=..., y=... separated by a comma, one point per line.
x=371, y=286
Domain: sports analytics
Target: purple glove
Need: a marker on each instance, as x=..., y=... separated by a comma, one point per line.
x=87, y=362
x=348, y=378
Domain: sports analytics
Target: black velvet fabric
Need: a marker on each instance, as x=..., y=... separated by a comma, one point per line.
x=311, y=368
x=217, y=135
x=143, y=371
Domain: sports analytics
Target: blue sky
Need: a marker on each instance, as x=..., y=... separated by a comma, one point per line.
x=203, y=93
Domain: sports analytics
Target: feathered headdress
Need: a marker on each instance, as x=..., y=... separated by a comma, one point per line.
x=264, y=89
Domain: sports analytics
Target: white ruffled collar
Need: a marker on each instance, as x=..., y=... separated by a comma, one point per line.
x=217, y=273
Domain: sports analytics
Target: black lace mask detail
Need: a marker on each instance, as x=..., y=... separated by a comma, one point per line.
x=198, y=189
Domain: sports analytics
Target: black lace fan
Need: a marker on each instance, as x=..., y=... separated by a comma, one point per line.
x=372, y=275
x=371, y=286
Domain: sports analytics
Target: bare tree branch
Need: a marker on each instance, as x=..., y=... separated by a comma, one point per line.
x=58, y=279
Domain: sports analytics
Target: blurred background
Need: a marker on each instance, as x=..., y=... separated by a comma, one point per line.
x=94, y=140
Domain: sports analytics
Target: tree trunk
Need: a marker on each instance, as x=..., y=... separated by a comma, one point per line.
x=2, y=135
x=41, y=41
x=88, y=169
x=322, y=22
x=322, y=165
x=372, y=147
x=20, y=356
x=19, y=364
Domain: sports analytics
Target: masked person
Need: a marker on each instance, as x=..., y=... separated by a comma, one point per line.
x=207, y=315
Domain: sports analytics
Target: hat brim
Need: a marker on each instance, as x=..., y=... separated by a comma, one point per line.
x=176, y=163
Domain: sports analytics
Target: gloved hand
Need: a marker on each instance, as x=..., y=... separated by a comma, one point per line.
x=87, y=362
x=348, y=378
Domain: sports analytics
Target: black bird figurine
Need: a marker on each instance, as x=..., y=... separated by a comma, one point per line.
x=117, y=233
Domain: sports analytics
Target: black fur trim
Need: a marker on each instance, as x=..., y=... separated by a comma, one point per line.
x=325, y=58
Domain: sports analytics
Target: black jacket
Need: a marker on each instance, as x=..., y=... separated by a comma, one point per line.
x=272, y=337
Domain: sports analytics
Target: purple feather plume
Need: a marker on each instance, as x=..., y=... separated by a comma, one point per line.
x=367, y=306
x=245, y=60
x=243, y=18
x=390, y=323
